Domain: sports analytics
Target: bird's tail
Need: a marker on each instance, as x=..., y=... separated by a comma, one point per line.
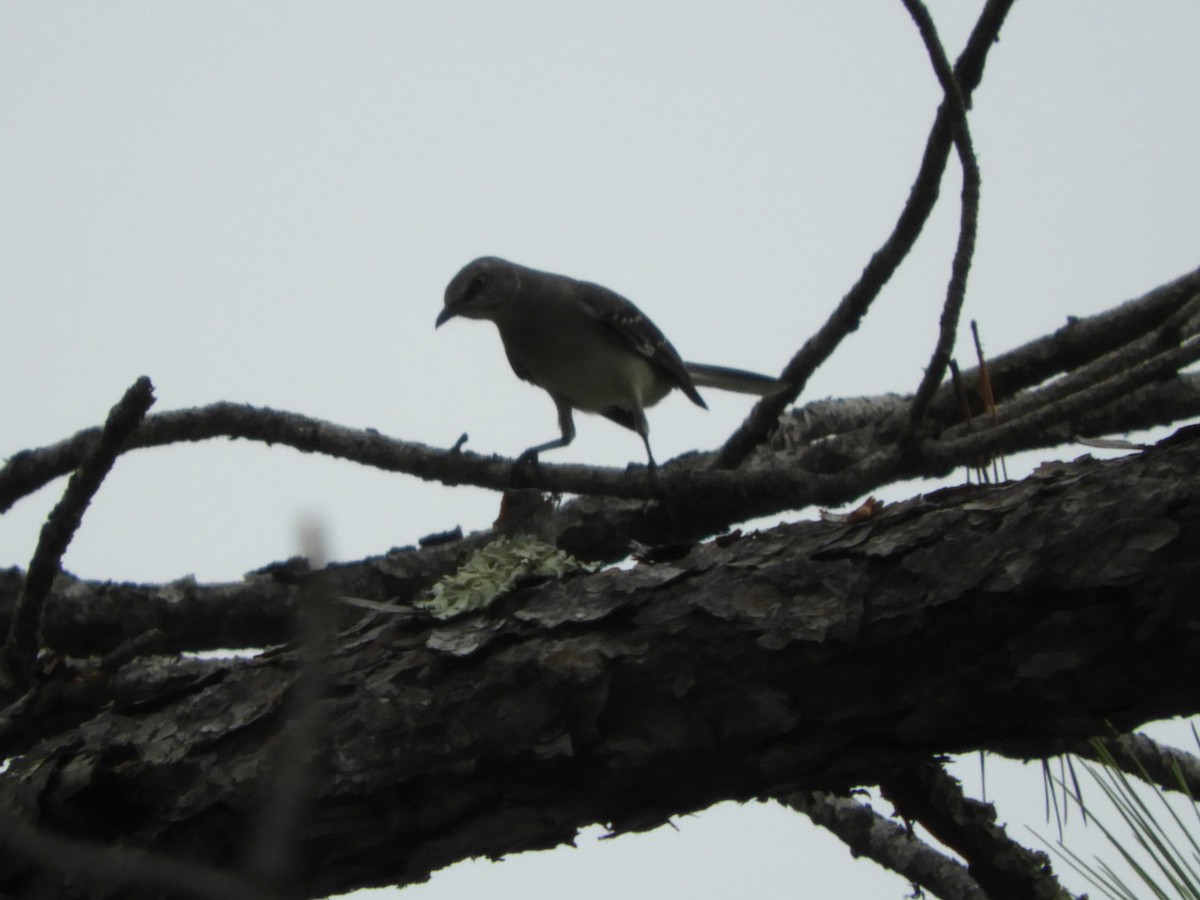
x=737, y=380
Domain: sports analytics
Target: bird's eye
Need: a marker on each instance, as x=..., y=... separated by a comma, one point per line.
x=477, y=284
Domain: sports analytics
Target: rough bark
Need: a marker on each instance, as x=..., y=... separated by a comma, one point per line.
x=814, y=656
x=824, y=437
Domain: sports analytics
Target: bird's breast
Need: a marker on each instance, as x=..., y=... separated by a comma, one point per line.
x=584, y=364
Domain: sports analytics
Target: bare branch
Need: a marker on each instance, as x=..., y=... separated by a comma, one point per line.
x=894, y=847
x=792, y=480
x=31, y=469
x=1083, y=340
x=763, y=419
x=968, y=219
x=1002, y=867
x=1119, y=366
x=857, y=452
x=24, y=633
x=89, y=617
x=1137, y=752
x=1058, y=408
x=810, y=656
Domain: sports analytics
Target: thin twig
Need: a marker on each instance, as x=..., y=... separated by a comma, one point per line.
x=24, y=635
x=988, y=396
x=956, y=290
x=845, y=318
x=964, y=410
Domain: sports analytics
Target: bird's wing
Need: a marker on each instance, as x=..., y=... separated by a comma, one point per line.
x=629, y=325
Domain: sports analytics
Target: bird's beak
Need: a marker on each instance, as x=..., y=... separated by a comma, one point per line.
x=444, y=316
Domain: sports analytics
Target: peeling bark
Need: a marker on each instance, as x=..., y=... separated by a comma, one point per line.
x=810, y=657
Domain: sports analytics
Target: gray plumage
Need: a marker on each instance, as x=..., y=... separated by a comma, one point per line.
x=588, y=347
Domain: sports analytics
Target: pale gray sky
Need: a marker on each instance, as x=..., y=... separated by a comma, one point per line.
x=262, y=202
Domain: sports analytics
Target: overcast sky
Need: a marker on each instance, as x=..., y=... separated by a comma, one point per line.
x=263, y=202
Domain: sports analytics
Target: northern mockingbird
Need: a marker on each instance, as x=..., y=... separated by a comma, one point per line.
x=586, y=346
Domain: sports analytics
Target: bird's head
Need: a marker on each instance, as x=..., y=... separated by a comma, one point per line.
x=480, y=289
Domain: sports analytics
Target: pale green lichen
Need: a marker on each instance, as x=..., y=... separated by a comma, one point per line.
x=496, y=569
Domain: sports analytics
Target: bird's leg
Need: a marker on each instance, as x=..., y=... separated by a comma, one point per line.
x=643, y=429
x=566, y=424
x=653, y=466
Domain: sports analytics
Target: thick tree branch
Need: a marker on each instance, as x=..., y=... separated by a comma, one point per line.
x=271, y=857
x=810, y=657
x=824, y=438
x=84, y=618
x=107, y=868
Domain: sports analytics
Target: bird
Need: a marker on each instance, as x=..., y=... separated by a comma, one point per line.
x=588, y=347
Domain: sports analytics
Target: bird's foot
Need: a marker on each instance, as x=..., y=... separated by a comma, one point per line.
x=524, y=470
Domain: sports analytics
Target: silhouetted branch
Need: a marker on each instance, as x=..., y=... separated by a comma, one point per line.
x=809, y=656
x=1002, y=867
x=1134, y=753
x=828, y=452
x=24, y=637
x=867, y=833
x=968, y=218
x=763, y=419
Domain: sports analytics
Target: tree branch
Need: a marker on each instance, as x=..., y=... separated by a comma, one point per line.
x=763, y=419
x=24, y=632
x=82, y=618
x=968, y=219
x=818, y=441
x=1003, y=868
x=1135, y=753
x=111, y=867
x=811, y=657
x=869, y=834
